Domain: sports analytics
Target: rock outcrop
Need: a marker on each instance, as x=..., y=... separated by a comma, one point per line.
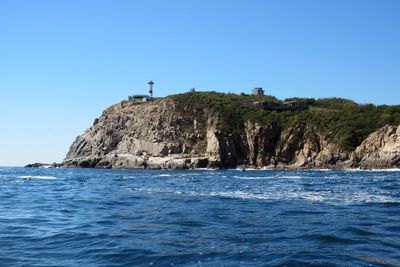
x=295, y=147
x=43, y=165
x=139, y=135
x=380, y=150
x=156, y=135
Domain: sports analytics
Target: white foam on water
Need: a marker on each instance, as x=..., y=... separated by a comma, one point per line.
x=248, y=177
x=239, y=194
x=139, y=177
x=245, y=169
x=308, y=196
x=385, y=170
x=353, y=170
x=265, y=177
x=290, y=177
x=268, y=196
x=130, y=177
x=202, y=169
x=289, y=191
x=372, y=198
x=373, y=170
x=37, y=177
x=311, y=196
x=129, y=189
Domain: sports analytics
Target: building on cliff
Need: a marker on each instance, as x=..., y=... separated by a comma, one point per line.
x=275, y=106
x=139, y=98
x=258, y=91
x=151, y=83
x=295, y=105
x=143, y=98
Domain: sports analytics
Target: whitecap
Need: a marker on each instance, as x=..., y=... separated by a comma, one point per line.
x=385, y=170
x=247, y=177
x=373, y=198
x=37, y=177
x=245, y=169
x=239, y=194
x=129, y=189
x=312, y=196
x=164, y=175
x=373, y=170
x=265, y=177
x=290, y=177
x=129, y=177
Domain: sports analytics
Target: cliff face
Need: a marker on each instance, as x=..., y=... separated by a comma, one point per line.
x=380, y=150
x=294, y=147
x=133, y=135
x=157, y=135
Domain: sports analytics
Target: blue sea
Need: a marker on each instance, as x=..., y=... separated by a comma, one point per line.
x=93, y=217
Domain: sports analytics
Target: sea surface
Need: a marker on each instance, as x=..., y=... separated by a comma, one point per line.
x=92, y=217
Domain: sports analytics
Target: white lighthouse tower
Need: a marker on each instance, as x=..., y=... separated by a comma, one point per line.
x=151, y=83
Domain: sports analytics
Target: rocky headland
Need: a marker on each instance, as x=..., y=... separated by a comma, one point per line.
x=213, y=130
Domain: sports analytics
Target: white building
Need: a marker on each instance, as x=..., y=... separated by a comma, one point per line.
x=139, y=98
x=143, y=98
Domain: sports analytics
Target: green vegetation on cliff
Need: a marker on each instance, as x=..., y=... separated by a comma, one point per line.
x=345, y=121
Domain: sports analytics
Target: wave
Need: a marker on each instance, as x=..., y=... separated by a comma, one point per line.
x=265, y=177
x=290, y=177
x=238, y=194
x=248, y=177
x=306, y=196
x=39, y=177
x=373, y=170
x=385, y=170
x=202, y=169
x=314, y=197
x=245, y=169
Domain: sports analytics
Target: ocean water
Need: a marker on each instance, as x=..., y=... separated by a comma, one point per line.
x=90, y=217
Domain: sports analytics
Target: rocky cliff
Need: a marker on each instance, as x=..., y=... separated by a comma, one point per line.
x=380, y=150
x=159, y=134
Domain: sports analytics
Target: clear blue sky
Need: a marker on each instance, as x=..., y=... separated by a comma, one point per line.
x=63, y=62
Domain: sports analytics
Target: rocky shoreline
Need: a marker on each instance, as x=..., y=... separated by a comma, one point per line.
x=44, y=165
x=239, y=168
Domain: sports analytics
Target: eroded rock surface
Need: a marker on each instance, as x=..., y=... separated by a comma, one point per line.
x=380, y=150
